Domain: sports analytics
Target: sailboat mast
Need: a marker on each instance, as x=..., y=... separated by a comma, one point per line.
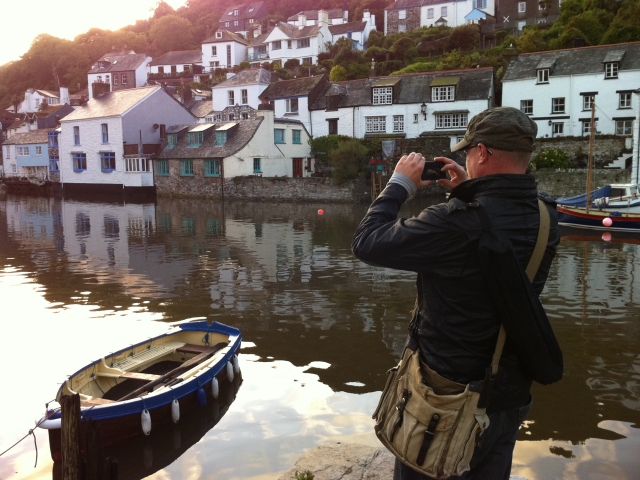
x=591, y=141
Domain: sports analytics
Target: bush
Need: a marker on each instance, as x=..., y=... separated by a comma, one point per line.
x=551, y=159
x=348, y=160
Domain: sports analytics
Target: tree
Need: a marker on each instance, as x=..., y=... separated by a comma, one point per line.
x=162, y=10
x=531, y=40
x=172, y=33
x=338, y=74
x=348, y=159
x=464, y=37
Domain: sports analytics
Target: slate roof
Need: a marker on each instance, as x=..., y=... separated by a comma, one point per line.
x=474, y=84
x=243, y=11
x=111, y=104
x=402, y=4
x=201, y=108
x=182, y=57
x=347, y=27
x=47, y=93
x=118, y=62
x=227, y=36
x=313, y=14
x=575, y=61
x=251, y=76
x=238, y=138
x=28, y=138
x=291, y=88
x=293, y=31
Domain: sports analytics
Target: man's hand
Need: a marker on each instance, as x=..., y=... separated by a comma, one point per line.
x=412, y=165
x=456, y=172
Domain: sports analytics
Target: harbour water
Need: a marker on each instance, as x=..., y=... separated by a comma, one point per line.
x=79, y=279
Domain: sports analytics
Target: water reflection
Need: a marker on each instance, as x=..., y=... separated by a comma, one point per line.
x=324, y=327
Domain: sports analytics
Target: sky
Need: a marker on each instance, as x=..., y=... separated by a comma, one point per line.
x=23, y=21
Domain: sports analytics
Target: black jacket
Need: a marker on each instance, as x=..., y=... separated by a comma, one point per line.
x=458, y=323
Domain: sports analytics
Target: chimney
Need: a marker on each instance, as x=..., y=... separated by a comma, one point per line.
x=345, y=15
x=64, y=95
x=265, y=110
x=302, y=21
x=366, y=14
x=323, y=18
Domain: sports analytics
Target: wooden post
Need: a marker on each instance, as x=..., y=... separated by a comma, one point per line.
x=591, y=142
x=71, y=437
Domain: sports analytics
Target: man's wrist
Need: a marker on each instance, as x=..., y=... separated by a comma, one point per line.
x=406, y=182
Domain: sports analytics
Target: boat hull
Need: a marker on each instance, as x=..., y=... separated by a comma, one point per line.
x=580, y=218
x=119, y=420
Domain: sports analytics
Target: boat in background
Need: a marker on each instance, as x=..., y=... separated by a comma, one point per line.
x=622, y=197
x=150, y=383
x=596, y=219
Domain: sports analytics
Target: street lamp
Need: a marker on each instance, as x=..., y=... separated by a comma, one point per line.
x=423, y=110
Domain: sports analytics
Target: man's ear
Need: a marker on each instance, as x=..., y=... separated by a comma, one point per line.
x=484, y=154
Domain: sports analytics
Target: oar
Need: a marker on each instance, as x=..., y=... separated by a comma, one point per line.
x=176, y=371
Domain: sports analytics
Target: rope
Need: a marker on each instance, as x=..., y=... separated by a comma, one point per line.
x=35, y=443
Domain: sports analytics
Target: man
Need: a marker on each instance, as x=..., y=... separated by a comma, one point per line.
x=457, y=322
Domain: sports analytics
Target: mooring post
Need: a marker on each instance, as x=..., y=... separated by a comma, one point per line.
x=70, y=437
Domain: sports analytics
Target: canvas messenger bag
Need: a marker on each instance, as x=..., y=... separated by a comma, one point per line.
x=429, y=422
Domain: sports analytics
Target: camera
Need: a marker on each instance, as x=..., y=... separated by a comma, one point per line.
x=433, y=171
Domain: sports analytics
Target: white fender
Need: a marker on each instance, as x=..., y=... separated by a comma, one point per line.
x=50, y=424
x=236, y=364
x=215, y=388
x=229, y=371
x=145, y=419
x=175, y=411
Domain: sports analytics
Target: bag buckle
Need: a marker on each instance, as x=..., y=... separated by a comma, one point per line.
x=429, y=433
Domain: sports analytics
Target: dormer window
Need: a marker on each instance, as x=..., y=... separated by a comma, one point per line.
x=218, y=35
x=235, y=13
x=172, y=139
x=543, y=75
x=196, y=139
x=443, y=94
x=611, y=70
x=382, y=95
x=221, y=137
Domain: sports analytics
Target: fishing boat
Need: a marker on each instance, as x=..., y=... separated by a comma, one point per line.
x=150, y=383
x=622, y=197
x=595, y=219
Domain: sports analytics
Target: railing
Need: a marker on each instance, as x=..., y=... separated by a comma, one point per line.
x=257, y=56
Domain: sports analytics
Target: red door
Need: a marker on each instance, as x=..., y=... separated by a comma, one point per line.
x=297, y=167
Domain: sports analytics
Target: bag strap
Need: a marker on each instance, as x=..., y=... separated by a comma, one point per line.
x=531, y=270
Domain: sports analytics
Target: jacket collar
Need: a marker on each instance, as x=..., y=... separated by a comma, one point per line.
x=502, y=185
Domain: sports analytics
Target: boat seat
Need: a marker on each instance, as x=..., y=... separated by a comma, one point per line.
x=94, y=401
x=133, y=375
x=193, y=348
x=146, y=356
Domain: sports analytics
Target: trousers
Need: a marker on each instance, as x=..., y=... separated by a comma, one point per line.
x=493, y=453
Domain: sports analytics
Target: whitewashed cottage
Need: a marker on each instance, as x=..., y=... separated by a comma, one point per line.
x=404, y=15
x=237, y=97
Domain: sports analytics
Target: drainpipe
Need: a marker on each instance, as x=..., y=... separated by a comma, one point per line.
x=353, y=122
x=635, y=160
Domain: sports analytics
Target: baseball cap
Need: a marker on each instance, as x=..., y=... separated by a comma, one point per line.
x=503, y=128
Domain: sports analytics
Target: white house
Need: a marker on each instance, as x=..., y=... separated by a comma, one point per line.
x=199, y=159
x=308, y=18
x=34, y=99
x=224, y=49
x=284, y=42
x=27, y=155
x=176, y=64
x=291, y=98
x=118, y=71
x=557, y=89
x=237, y=98
x=404, y=106
x=357, y=32
x=403, y=15
x=107, y=143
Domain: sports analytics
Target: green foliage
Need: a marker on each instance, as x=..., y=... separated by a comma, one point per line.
x=291, y=63
x=379, y=54
x=625, y=26
x=419, y=67
x=322, y=146
x=172, y=33
x=244, y=65
x=551, y=159
x=338, y=74
x=348, y=159
x=375, y=39
x=306, y=475
x=464, y=37
x=531, y=40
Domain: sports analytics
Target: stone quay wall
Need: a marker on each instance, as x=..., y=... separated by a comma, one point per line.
x=606, y=148
x=573, y=181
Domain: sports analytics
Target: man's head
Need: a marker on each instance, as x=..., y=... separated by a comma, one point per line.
x=498, y=140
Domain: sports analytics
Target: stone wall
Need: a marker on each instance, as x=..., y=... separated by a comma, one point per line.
x=606, y=148
x=412, y=21
x=569, y=182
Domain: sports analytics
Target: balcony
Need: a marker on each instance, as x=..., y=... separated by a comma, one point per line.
x=147, y=149
x=257, y=56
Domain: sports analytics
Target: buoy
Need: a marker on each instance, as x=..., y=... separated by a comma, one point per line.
x=202, y=397
x=175, y=410
x=607, y=222
x=236, y=364
x=215, y=388
x=229, y=371
x=145, y=419
x=321, y=212
x=606, y=236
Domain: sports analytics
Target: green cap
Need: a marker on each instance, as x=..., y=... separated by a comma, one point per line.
x=503, y=128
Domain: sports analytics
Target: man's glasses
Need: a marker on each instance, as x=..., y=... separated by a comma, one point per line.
x=466, y=150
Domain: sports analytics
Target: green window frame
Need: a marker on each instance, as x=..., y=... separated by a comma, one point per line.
x=212, y=168
x=278, y=135
x=257, y=165
x=296, y=135
x=221, y=138
x=162, y=168
x=172, y=139
x=186, y=168
x=196, y=139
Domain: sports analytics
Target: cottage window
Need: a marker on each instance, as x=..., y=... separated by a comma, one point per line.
x=543, y=75
x=214, y=51
x=402, y=14
x=22, y=151
x=54, y=163
x=443, y=94
x=429, y=12
x=162, y=168
x=277, y=45
x=625, y=100
x=108, y=161
x=443, y=11
x=38, y=150
x=235, y=13
x=219, y=34
x=376, y=124
x=402, y=27
x=526, y=106
x=557, y=129
x=105, y=132
x=230, y=98
x=8, y=153
x=296, y=137
x=557, y=105
x=289, y=44
x=137, y=164
x=291, y=105
x=245, y=96
x=76, y=135
x=79, y=161
x=586, y=126
x=235, y=23
x=124, y=79
x=212, y=168
x=306, y=61
x=278, y=135
x=214, y=64
x=172, y=139
x=250, y=21
x=451, y=120
x=115, y=79
x=522, y=7
x=304, y=43
x=186, y=168
x=398, y=123
x=257, y=167
x=383, y=96
x=624, y=127
x=226, y=24
x=333, y=126
x=522, y=24
x=611, y=70
x=480, y=3
x=244, y=116
x=221, y=137
x=587, y=101
x=195, y=139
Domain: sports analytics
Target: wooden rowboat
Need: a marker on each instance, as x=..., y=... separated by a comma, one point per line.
x=593, y=219
x=150, y=383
